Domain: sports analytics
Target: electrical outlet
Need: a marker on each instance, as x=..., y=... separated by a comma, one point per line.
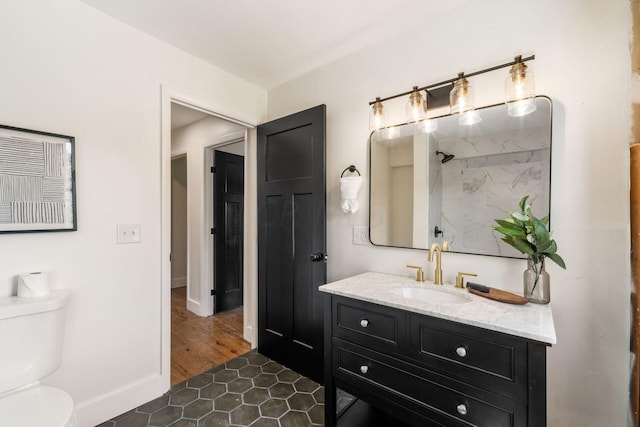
x=360, y=235
x=128, y=233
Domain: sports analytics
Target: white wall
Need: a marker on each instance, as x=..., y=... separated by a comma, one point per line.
x=72, y=70
x=583, y=64
x=193, y=140
x=179, y=221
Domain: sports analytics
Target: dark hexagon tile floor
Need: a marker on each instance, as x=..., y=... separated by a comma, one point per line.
x=250, y=390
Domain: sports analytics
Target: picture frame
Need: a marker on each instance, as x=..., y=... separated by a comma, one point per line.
x=37, y=181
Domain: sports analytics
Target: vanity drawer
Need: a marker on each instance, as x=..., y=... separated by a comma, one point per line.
x=491, y=360
x=429, y=394
x=369, y=324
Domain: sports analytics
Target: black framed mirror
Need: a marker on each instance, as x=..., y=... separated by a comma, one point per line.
x=439, y=180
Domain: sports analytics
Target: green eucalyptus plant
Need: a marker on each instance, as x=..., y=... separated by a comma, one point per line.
x=529, y=235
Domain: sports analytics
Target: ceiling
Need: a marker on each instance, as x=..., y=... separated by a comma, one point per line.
x=269, y=42
x=184, y=116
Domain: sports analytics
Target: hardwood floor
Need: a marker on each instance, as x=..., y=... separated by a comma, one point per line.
x=200, y=343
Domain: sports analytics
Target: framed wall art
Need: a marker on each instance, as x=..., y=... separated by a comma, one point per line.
x=37, y=181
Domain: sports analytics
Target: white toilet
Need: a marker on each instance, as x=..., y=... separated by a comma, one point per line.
x=31, y=338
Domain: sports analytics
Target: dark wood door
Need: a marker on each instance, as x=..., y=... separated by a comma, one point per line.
x=292, y=240
x=228, y=218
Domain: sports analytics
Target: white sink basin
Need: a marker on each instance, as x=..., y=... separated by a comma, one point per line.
x=435, y=296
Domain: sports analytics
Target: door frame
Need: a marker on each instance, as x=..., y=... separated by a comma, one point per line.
x=250, y=263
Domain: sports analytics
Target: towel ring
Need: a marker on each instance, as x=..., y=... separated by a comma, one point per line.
x=351, y=169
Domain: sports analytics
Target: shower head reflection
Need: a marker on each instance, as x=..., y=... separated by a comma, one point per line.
x=446, y=157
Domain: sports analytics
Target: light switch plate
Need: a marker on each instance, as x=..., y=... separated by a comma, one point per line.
x=360, y=235
x=128, y=233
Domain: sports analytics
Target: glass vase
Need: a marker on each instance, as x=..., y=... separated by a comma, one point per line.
x=536, y=282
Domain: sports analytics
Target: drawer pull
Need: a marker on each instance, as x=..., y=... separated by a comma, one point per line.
x=364, y=323
x=364, y=369
x=461, y=351
x=462, y=409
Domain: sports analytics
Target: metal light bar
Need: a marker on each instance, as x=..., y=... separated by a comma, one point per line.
x=450, y=81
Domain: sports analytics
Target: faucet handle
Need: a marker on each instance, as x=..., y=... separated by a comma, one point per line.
x=419, y=273
x=460, y=279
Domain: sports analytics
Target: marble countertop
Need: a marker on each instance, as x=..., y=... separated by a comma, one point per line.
x=533, y=321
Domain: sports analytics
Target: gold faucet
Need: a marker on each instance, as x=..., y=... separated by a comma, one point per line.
x=438, y=273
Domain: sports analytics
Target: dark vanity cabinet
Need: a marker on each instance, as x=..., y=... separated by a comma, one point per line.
x=426, y=371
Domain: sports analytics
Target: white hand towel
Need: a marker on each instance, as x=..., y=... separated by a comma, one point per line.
x=349, y=188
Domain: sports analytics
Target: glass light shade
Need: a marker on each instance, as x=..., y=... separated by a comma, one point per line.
x=416, y=107
x=390, y=133
x=461, y=96
x=469, y=118
x=520, y=90
x=377, y=118
x=427, y=126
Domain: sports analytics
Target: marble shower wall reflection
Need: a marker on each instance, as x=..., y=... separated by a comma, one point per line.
x=486, y=180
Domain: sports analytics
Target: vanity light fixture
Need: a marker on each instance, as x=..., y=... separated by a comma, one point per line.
x=416, y=107
x=376, y=116
x=520, y=90
x=458, y=93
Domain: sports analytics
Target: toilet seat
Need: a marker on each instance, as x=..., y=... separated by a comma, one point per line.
x=40, y=406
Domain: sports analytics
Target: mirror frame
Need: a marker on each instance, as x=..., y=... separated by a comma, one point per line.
x=447, y=115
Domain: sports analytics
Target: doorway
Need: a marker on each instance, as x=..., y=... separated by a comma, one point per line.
x=200, y=339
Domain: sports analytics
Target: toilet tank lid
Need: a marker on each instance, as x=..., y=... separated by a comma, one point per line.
x=15, y=306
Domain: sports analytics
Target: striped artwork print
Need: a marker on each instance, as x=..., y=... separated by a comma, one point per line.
x=54, y=159
x=35, y=180
x=19, y=157
x=5, y=212
x=37, y=213
x=20, y=188
x=52, y=189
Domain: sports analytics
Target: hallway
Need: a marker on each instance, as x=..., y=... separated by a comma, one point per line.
x=200, y=343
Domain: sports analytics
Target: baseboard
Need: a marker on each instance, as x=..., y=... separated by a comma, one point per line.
x=249, y=336
x=179, y=282
x=194, y=307
x=119, y=401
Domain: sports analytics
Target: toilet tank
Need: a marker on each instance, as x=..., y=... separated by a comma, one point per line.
x=31, y=338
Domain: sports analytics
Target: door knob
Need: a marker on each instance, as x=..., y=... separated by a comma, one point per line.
x=318, y=256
